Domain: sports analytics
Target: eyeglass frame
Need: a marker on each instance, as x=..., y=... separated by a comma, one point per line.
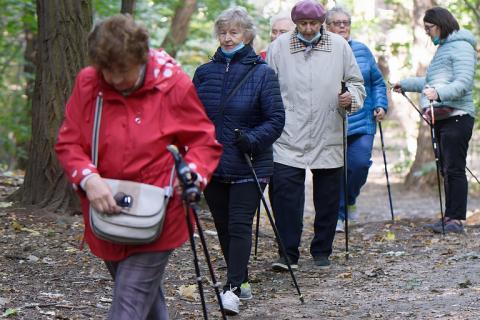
x=429, y=27
x=346, y=23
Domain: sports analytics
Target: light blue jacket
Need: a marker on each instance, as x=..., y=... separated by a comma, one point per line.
x=363, y=121
x=451, y=73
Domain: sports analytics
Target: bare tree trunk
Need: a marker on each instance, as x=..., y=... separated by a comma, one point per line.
x=128, y=6
x=178, y=32
x=63, y=26
x=422, y=57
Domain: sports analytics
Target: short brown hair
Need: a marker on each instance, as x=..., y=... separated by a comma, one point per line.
x=118, y=41
x=443, y=19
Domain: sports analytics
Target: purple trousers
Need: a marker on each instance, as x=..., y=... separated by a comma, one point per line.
x=137, y=294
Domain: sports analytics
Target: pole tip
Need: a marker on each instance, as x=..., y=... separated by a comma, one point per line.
x=301, y=299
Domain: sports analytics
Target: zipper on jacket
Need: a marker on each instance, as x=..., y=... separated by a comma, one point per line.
x=228, y=66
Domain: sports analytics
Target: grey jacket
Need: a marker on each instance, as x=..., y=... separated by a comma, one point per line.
x=310, y=83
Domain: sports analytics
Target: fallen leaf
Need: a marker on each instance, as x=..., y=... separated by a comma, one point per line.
x=188, y=292
x=9, y=312
x=345, y=275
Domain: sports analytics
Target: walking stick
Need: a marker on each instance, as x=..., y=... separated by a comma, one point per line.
x=272, y=222
x=256, y=231
x=436, y=151
x=427, y=122
x=343, y=113
x=191, y=197
x=386, y=170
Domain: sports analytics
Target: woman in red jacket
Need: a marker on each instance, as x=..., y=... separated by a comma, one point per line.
x=148, y=103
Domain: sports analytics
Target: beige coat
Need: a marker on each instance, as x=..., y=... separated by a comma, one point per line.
x=310, y=84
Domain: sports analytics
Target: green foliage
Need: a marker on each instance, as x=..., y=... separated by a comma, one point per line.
x=14, y=109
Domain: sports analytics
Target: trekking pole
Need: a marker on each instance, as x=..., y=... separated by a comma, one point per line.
x=437, y=163
x=191, y=197
x=272, y=222
x=256, y=231
x=427, y=122
x=343, y=113
x=386, y=170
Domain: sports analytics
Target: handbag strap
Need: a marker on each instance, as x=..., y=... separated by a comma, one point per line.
x=96, y=127
x=234, y=90
x=95, y=136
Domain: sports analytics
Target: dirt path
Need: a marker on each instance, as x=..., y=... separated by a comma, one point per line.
x=397, y=271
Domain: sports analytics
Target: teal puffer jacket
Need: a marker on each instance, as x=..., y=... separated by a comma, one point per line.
x=451, y=72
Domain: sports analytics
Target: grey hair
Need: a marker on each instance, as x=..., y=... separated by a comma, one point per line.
x=236, y=16
x=334, y=10
x=279, y=17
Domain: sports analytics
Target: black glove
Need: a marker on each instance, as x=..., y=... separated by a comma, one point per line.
x=243, y=143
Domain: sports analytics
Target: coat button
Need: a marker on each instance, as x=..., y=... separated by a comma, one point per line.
x=138, y=120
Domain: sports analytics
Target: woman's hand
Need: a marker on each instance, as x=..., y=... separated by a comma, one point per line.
x=100, y=195
x=431, y=94
x=379, y=114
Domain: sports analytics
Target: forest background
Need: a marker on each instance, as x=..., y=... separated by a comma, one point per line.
x=42, y=47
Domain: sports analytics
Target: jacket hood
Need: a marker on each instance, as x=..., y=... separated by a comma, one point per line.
x=462, y=35
x=246, y=56
x=160, y=73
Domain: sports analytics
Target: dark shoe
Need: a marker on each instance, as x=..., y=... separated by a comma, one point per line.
x=451, y=226
x=281, y=265
x=321, y=262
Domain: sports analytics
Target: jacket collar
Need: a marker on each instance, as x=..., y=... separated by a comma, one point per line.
x=245, y=56
x=324, y=44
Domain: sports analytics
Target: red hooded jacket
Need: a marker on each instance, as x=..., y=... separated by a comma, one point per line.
x=134, y=133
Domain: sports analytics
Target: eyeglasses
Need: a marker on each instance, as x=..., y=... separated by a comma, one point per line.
x=429, y=27
x=338, y=23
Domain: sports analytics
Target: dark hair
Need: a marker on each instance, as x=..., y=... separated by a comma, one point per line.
x=443, y=19
x=118, y=41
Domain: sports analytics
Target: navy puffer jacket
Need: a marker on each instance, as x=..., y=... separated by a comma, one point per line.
x=256, y=109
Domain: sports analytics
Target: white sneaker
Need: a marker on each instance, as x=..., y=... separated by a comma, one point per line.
x=340, y=226
x=231, y=302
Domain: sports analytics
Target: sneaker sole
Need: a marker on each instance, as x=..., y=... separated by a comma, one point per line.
x=250, y=297
x=230, y=311
x=283, y=267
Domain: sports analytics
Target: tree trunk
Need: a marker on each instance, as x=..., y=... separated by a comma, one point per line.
x=177, y=34
x=422, y=56
x=63, y=26
x=128, y=6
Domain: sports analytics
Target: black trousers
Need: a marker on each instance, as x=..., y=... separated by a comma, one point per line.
x=288, y=195
x=453, y=134
x=233, y=207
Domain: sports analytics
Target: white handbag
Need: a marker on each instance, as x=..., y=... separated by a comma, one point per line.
x=143, y=205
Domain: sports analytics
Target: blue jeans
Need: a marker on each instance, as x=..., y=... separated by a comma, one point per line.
x=359, y=160
x=288, y=195
x=138, y=293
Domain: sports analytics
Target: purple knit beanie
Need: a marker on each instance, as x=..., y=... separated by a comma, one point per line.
x=308, y=9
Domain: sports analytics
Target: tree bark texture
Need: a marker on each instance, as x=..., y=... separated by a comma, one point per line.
x=178, y=32
x=63, y=26
x=128, y=6
x=422, y=57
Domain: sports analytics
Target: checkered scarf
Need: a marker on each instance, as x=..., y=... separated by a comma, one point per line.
x=323, y=44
